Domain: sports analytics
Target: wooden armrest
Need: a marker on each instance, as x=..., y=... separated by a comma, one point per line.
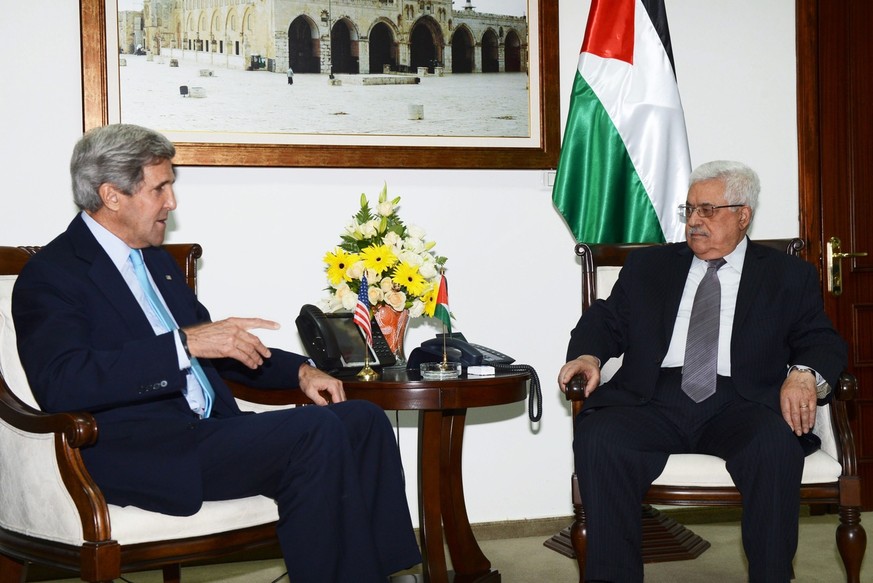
x=289, y=396
x=78, y=428
x=846, y=390
x=847, y=387
x=576, y=389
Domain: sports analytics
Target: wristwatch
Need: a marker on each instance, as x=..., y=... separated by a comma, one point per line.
x=822, y=388
x=183, y=338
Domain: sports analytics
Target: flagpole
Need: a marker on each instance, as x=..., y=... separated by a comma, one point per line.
x=367, y=373
x=364, y=321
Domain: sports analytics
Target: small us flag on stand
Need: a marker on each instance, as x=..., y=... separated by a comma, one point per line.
x=362, y=311
x=362, y=319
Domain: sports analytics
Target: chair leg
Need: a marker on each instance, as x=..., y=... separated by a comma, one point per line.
x=11, y=571
x=578, y=531
x=173, y=573
x=851, y=542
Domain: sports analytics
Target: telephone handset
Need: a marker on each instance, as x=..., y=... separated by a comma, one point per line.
x=457, y=350
x=337, y=345
x=468, y=353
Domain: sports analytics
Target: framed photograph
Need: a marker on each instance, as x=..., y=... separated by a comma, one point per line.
x=330, y=83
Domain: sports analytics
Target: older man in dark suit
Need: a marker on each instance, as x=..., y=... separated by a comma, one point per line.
x=106, y=324
x=741, y=384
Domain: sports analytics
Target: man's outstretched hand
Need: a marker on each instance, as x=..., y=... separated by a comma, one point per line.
x=230, y=338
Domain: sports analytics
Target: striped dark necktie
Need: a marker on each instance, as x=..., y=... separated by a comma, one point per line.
x=701, y=347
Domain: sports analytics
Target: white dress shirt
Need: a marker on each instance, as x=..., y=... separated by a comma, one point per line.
x=729, y=278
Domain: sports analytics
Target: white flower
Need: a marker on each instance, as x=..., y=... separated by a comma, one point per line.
x=340, y=299
x=394, y=241
x=415, y=231
x=356, y=271
x=410, y=258
x=417, y=308
x=369, y=229
x=413, y=244
x=386, y=209
x=386, y=285
x=375, y=295
x=349, y=301
x=428, y=269
x=396, y=299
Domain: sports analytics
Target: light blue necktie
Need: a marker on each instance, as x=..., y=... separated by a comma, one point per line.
x=140, y=270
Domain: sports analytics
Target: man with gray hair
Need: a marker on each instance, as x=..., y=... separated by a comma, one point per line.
x=726, y=349
x=106, y=324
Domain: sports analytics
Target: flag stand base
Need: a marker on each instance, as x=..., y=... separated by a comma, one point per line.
x=367, y=374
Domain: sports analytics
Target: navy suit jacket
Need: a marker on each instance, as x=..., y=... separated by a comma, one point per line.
x=779, y=321
x=85, y=344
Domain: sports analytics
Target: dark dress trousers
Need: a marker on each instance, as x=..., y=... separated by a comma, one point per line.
x=630, y=424
x=334, y=471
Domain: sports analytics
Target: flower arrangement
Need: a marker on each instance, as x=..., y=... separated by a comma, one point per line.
x=402, y=269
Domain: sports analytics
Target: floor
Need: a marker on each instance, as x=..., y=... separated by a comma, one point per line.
x=526, y=560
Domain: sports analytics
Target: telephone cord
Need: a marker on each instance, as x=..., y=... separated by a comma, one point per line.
x=535, y=395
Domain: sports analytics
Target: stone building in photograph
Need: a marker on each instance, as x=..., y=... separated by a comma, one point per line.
x=130, y=31
x=333, y=36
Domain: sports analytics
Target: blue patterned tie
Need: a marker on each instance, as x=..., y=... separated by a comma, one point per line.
x=158, y=307
x=701, y=347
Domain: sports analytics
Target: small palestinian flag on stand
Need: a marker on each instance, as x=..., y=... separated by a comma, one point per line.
x=441, y=311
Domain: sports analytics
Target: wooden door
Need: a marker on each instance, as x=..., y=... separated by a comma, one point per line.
x=835, y=137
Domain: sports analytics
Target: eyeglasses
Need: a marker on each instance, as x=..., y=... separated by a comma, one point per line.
x=705, y=210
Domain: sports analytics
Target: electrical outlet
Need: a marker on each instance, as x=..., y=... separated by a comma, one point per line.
x=549, y=178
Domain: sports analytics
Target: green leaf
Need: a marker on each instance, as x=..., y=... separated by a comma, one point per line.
x=364, y=214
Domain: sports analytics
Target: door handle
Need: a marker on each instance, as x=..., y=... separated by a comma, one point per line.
x=833, y=259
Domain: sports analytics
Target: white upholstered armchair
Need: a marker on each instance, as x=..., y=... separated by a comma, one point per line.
x=52, y=513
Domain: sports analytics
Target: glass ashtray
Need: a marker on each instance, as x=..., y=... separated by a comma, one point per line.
x=437, y=371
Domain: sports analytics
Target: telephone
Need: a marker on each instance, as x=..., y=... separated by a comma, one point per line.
x=337, y=345
x=458, y=350
x=468, y=354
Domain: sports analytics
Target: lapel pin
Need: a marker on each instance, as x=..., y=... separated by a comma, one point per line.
x=169, y=277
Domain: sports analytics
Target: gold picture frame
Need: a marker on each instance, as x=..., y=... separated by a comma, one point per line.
x=96, y=80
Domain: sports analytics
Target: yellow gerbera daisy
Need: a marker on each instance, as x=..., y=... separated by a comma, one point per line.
x=338, y=263
x=429, y=298
x=409, y=277
x=378, y=258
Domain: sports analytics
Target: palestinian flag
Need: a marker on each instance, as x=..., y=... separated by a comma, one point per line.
x=624, y=162
x=441, y=310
